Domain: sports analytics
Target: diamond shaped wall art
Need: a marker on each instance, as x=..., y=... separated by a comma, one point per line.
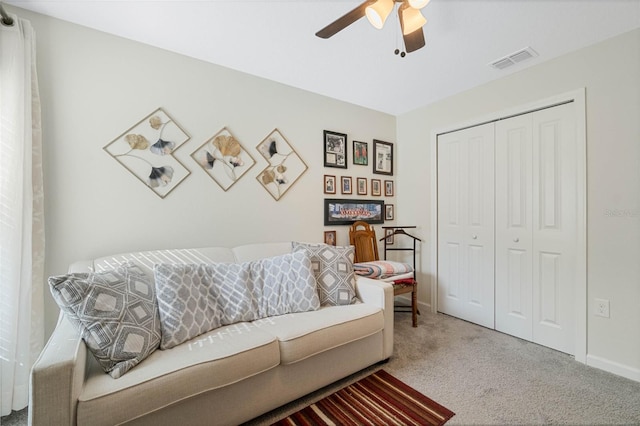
x=147, y=148
x=285, y=165
x=223, y=158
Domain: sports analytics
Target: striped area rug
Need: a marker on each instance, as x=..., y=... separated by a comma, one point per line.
x=378, y=399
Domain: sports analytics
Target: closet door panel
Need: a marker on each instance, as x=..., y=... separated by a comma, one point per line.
x=514, y=180
x=554, y=231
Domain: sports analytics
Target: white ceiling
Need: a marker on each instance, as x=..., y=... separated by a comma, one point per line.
x=275, y=39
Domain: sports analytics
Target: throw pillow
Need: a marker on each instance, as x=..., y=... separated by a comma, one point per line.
x=116, y=313
x=333, y=269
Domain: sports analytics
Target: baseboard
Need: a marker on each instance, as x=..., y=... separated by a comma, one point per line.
x=426, y=307
x=614, y=367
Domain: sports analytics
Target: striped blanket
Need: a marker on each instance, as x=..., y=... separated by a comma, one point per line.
x=381, y=268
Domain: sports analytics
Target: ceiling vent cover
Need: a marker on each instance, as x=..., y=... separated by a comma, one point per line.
x=514, y=58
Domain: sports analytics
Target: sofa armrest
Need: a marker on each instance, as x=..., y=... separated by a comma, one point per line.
x=379, y=293
x=57, y=377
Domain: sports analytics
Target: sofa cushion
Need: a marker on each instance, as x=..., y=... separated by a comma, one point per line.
x=116, y=313
x=196, y=298
x=215, y=359
x=333, y=269
x=303, y=335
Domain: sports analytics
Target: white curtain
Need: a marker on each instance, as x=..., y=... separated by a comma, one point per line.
x=21, y=214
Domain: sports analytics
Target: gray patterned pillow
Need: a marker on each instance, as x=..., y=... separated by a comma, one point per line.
x=333, y=269
x=196, y=298
x=116, y=313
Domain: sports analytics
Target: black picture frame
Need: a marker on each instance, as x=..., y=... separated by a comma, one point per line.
x=335, y=149
x=382, y=158
x=345, y=211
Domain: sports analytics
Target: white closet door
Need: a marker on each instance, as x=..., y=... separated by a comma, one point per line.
x=514, y=231
x=554, y=227
x=466, y=224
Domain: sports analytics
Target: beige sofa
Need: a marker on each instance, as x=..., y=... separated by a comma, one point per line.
x=226, y=376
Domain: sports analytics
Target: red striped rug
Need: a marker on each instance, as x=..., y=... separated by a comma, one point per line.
x=378, y=399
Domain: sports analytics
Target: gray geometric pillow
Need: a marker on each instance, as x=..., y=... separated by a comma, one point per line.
x=115, y=312
x=333, y=269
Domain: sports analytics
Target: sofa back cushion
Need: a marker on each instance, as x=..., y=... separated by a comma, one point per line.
x=196, y=298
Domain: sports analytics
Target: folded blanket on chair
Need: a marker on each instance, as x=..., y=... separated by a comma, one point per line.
x=381, y=268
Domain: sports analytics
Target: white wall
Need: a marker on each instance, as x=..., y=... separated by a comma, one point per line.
x=610, y=72
x=95, y=86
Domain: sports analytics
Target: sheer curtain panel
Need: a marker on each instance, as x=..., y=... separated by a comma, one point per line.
x=21, y=214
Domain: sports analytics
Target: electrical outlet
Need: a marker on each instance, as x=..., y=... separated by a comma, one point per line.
x=602, y=307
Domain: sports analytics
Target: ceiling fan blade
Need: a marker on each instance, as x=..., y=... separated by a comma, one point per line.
x=414, y=41
x=344, y=21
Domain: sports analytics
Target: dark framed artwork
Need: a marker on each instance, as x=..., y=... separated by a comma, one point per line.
x=388, y=188
x=382, y=157
x=388, y=212
x=335, y=149
x=330, y=238
x=362, y=186
x=345, y=212
x=346, y=184
x=360, y=153
x=329, y=184
x=375, y=187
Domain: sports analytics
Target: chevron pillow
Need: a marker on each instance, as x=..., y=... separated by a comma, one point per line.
x=333, y=269
x=116, y=313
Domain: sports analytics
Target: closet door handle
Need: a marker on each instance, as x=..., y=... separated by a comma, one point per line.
x=515, y=240
x=475, y=237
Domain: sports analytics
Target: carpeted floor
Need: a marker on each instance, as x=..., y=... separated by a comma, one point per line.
x=489, y=378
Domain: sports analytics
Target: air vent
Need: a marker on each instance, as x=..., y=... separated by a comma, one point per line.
x=514, y=58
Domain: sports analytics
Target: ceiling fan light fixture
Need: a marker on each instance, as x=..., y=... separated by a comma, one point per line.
x=378, y=12
x=411, y=20
x=418, y=4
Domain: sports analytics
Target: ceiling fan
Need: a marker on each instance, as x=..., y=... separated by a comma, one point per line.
x=377, y=11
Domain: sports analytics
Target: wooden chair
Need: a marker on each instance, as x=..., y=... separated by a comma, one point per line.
x=363, y=237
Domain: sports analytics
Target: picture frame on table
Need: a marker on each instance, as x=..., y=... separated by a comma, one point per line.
x=346, y=185
x=388, y=212
x=330, y=238
x=376, y=190
x=362, y=186
x=382, y=157
x=329, y=184
x=335, y=149
x=388, y=188
x=360, y=153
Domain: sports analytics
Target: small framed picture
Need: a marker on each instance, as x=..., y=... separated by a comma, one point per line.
x=335, y=149
x=329, y=184
x=382, y=158
x=388, y=212
x=330, y=238
x=360, y=153
x=388, y=188
x=362, y=186
x=375, y=187
x=346, y=185
x=389, y=234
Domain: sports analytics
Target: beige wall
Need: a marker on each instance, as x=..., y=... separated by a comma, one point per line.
x=95, y=86
x=610, y=74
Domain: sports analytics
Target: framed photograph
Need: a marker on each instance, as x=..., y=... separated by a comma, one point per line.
x=330, y=238
x=362, y=186
x=345, y=182
x=329, y=184
x=388, y=232
x=388, y=212
x=388, y=188
x=360, y=153
x=382, y=157
x=223, y=158
x=375, y=187
x=147, y=149
x=345, y=212
x=335, y=149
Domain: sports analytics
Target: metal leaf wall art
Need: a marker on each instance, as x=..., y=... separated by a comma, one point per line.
x=285, y=165
x=146, y=150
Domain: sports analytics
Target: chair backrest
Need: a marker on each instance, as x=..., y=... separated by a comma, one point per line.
x=363, y=237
